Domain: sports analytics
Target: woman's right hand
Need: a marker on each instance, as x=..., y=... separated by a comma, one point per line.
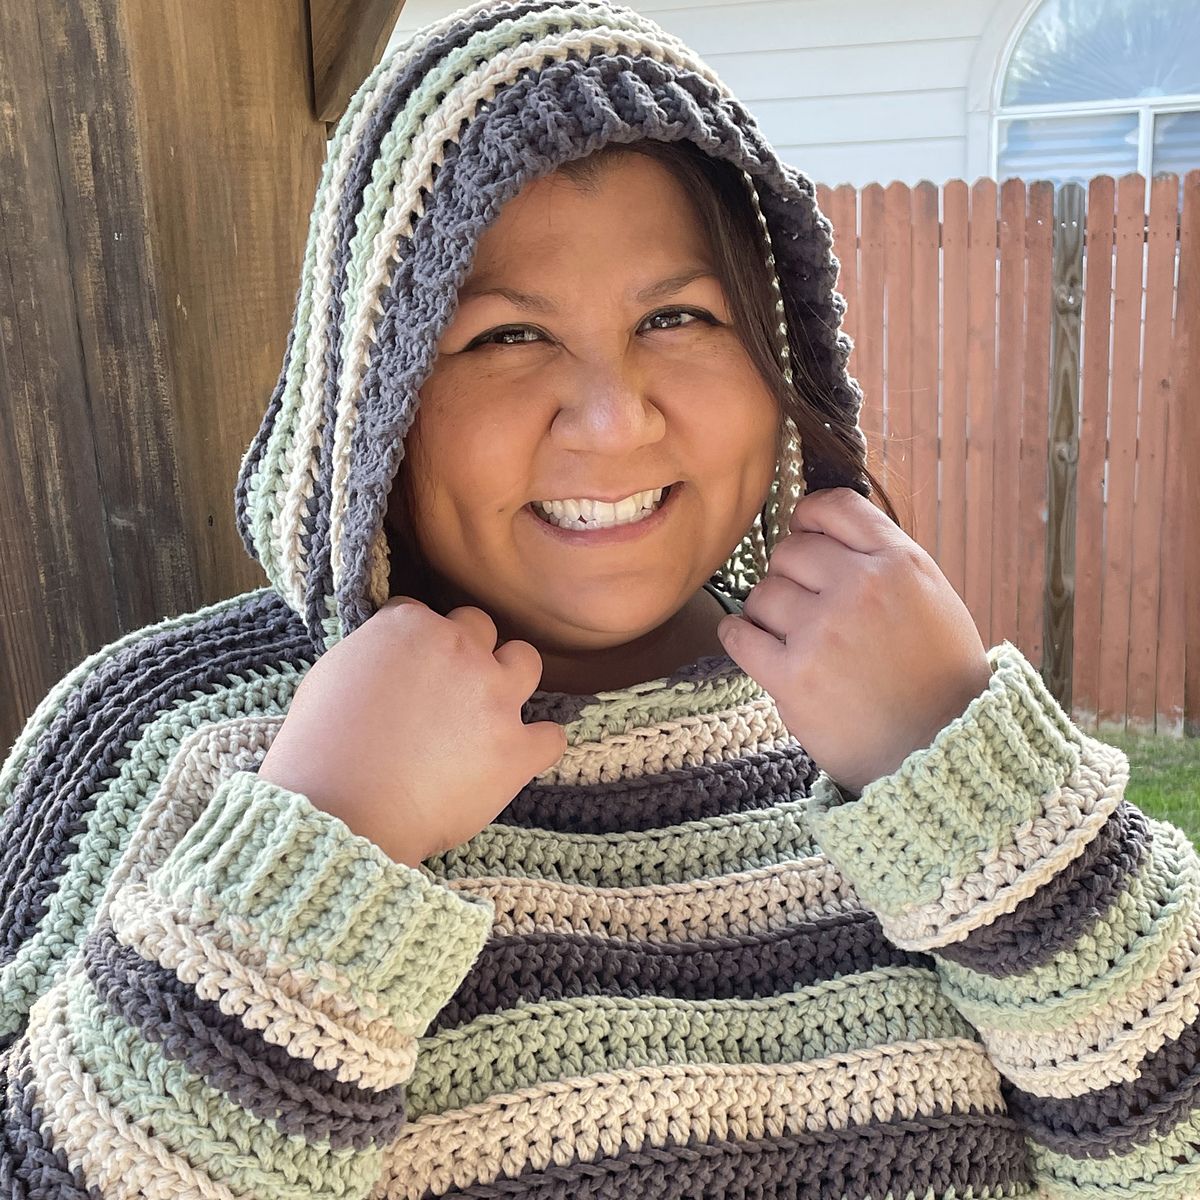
x=409, y=729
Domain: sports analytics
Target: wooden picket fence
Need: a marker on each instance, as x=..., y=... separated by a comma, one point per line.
x=1030, y=360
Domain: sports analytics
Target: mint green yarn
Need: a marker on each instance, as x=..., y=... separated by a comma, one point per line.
x=740, y=841
x=527, y=1044
x=1142, y=925
x=71, y=907
x=187, y=1114
x=956, y=802
x=1152, y=1164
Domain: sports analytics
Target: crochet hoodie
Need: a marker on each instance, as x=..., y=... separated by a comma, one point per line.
x=679, y=964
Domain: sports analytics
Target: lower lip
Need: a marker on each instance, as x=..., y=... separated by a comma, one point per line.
x=614, y=534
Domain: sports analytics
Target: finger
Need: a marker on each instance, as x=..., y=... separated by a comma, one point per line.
x=759, y=653
x=524, y=663
x=395, y=601
x=480, y=626
x=779, y=605
x=844, y=514
x=813, y=560
x=549, y=741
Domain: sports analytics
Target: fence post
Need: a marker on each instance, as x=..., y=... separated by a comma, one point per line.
x=1067, y=282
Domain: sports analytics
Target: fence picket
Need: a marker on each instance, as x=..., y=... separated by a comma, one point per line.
x=1122, y=452
x=952, y=517
x=1093, y=410
x=981, y=367
x=1006, y=410
x=897, y=204
x=1149, y=567
x=1035, y=420
x=926, y=318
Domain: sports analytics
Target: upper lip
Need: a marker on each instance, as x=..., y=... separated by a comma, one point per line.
x=605, y=498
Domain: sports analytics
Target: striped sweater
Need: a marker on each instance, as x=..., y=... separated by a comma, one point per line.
x=679, y=964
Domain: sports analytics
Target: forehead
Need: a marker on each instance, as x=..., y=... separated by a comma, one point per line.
x=634, y=216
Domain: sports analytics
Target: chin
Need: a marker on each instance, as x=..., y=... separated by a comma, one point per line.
x=609, y=617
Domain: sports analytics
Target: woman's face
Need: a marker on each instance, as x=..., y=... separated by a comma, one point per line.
x=592, y=356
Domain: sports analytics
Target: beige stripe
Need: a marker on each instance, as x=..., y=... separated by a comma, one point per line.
x=280, y=1004
x=596, y=1116
x=1099, y=1050
x=298, y=446
x=116, y=1156
x=745, y=902
x=670, y=745
x=1040, y=849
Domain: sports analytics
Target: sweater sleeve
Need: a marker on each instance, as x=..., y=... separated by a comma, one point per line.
x=242, y=1020
x=1063, y=922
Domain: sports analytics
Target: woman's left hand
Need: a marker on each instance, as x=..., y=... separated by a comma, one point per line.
x=858, y=637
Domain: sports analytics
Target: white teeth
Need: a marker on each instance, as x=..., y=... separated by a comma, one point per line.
x=598, y=514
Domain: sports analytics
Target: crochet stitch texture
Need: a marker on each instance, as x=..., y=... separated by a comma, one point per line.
x=679, y=964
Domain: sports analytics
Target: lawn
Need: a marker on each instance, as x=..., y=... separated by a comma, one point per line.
x=1164, y=778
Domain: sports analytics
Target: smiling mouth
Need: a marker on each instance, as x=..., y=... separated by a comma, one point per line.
x=591, y=514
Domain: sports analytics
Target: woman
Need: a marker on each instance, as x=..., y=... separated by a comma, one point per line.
x=582, y=807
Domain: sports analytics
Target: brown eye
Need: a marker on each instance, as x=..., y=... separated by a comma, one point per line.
x=501, y=337
x=668, y=313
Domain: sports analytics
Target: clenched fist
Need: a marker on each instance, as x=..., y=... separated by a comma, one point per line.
x=409, y=729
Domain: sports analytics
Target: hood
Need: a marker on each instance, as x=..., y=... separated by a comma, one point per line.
x=449, y=127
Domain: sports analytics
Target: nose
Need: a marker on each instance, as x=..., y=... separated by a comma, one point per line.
x=606, y=408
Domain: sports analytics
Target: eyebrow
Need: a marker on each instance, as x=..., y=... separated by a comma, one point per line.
x=535, y=303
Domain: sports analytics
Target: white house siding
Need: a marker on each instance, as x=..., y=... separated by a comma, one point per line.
x=849, y=91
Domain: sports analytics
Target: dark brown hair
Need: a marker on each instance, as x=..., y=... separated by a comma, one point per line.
x=720, y=199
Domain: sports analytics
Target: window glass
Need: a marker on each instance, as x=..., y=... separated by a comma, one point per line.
x=1176, y=142
x=1081, y=50
x=1068, y=148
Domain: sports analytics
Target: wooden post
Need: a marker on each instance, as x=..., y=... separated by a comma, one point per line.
x=1064, y=434
x=159, y=162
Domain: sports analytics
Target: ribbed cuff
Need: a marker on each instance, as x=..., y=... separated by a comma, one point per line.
x=266, y=859
x=984, y=774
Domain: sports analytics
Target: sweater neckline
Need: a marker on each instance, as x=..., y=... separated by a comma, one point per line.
x=700, y=671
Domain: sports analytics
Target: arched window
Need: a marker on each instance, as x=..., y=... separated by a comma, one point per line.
x=1101, y=87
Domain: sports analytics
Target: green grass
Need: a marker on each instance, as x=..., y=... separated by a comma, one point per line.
x=1164, y=778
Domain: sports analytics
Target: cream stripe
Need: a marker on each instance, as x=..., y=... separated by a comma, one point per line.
x=1040, y=849
x=670, y=745
x=297, y=472
x=379, y=1059
x=118, y=1157
x=745, y=902
x=595, y=1116
x=427, y=151
x=1099, y=1050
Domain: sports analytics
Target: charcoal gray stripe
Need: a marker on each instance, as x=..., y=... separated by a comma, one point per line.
x=672, y=797
x=1063, y=909
x=87, y=742
x=263, y=1078
x=31, y=1167
x=528, y=968
x=938, y=1155
x=1121, y=1116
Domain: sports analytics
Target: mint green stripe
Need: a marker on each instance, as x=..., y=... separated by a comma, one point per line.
x=677, y=853
x=1126, y=947
x=119, y=805
x=543, y=1042
x=1150, y=1170
x=195, y=1120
